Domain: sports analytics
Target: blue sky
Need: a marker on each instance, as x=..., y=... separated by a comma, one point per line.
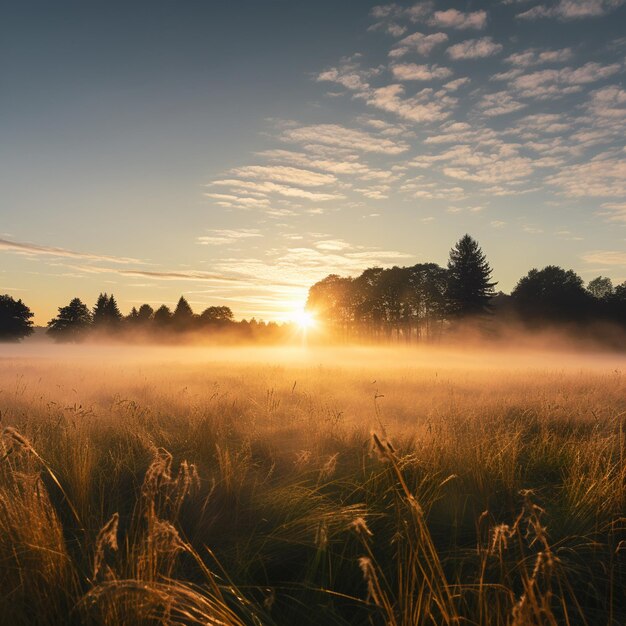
x=237, y=152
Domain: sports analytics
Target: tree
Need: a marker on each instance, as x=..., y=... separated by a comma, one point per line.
x=162, y=316
x=145, y=313
x=470, y=288
x=72, y=322
x=183, y=315
x=106, y=313
x=553, y=294
x=217, y=315
x=15, y=319
x=600, y=288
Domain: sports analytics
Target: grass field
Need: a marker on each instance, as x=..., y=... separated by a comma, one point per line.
x=353, y=486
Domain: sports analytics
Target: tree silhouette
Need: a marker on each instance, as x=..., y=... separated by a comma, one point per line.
x=106, y=313
x=145, y=314
x=183, y=315
x=162, y=317
x=72, y=322
x=552, y=294
x=469, y=279
x=216, y=315
x=600, y=288
x=15, y=319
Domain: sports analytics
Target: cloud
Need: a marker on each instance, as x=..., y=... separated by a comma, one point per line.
x=351, y=166
x=241, y=202
x=546, y=84
x=495, y=164
x=284, y=174
x=603, y=176
x=341, y=137
x=348, y=74
x=499, y=103
x=605, y=257
x=608, y=102
x=304, y=265
x=267, y=187
x=412, y=71
x=423, y=107
x=418, y=42
x=31, y=249
x=613, y=211
x=474, y=49
x=532, y=57
x=457, y=19
x=572, y=9
x=225, y=236
x=453, y=85
x=414, y=13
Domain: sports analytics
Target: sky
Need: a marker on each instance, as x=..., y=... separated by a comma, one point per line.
x=237, y=152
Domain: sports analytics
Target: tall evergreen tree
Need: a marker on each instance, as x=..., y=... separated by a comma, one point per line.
x=183, y=314
x=72, y=323
x=106, y=313
x=15, y=319
x=469, y=279
x=99, y=315
x=114, y=316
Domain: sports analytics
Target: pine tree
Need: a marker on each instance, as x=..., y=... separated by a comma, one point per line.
x=113, y=313
x=106, y=313
x=183, y=314
x=469, y=279
x=99, y=315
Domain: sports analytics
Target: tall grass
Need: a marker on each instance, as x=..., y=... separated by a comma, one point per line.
x=403, y=492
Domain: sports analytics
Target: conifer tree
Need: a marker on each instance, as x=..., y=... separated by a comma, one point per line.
x=469, y=279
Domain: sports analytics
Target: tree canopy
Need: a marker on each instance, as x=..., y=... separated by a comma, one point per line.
x=15, y=319
x=72, y=322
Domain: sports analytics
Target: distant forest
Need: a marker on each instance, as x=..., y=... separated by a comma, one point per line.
x=419, y=303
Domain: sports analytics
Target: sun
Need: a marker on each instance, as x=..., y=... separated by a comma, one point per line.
x=304, y=319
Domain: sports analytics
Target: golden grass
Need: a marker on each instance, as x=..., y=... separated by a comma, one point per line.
x=353, y=486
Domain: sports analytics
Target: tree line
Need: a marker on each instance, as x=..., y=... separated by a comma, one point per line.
x=76, y=321
x=416, y=303
x=423, y=301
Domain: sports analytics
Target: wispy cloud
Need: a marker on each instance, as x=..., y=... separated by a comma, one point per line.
x=571, y=9
x=532, y=56
x=418, y=42
x=546, y=84
x=605, y=257
x=412, y=71
x=457, y=19
x=613, y=211
x=266, y=187
x=284, y=174
x=425, y=106
x=226, y=236
x=39, y=250
x=474, y=49
x=342, y=137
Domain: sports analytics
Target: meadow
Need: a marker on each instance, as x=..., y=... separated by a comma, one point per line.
x=304, y=486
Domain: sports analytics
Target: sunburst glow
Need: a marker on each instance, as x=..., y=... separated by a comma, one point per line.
x=304, y=319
